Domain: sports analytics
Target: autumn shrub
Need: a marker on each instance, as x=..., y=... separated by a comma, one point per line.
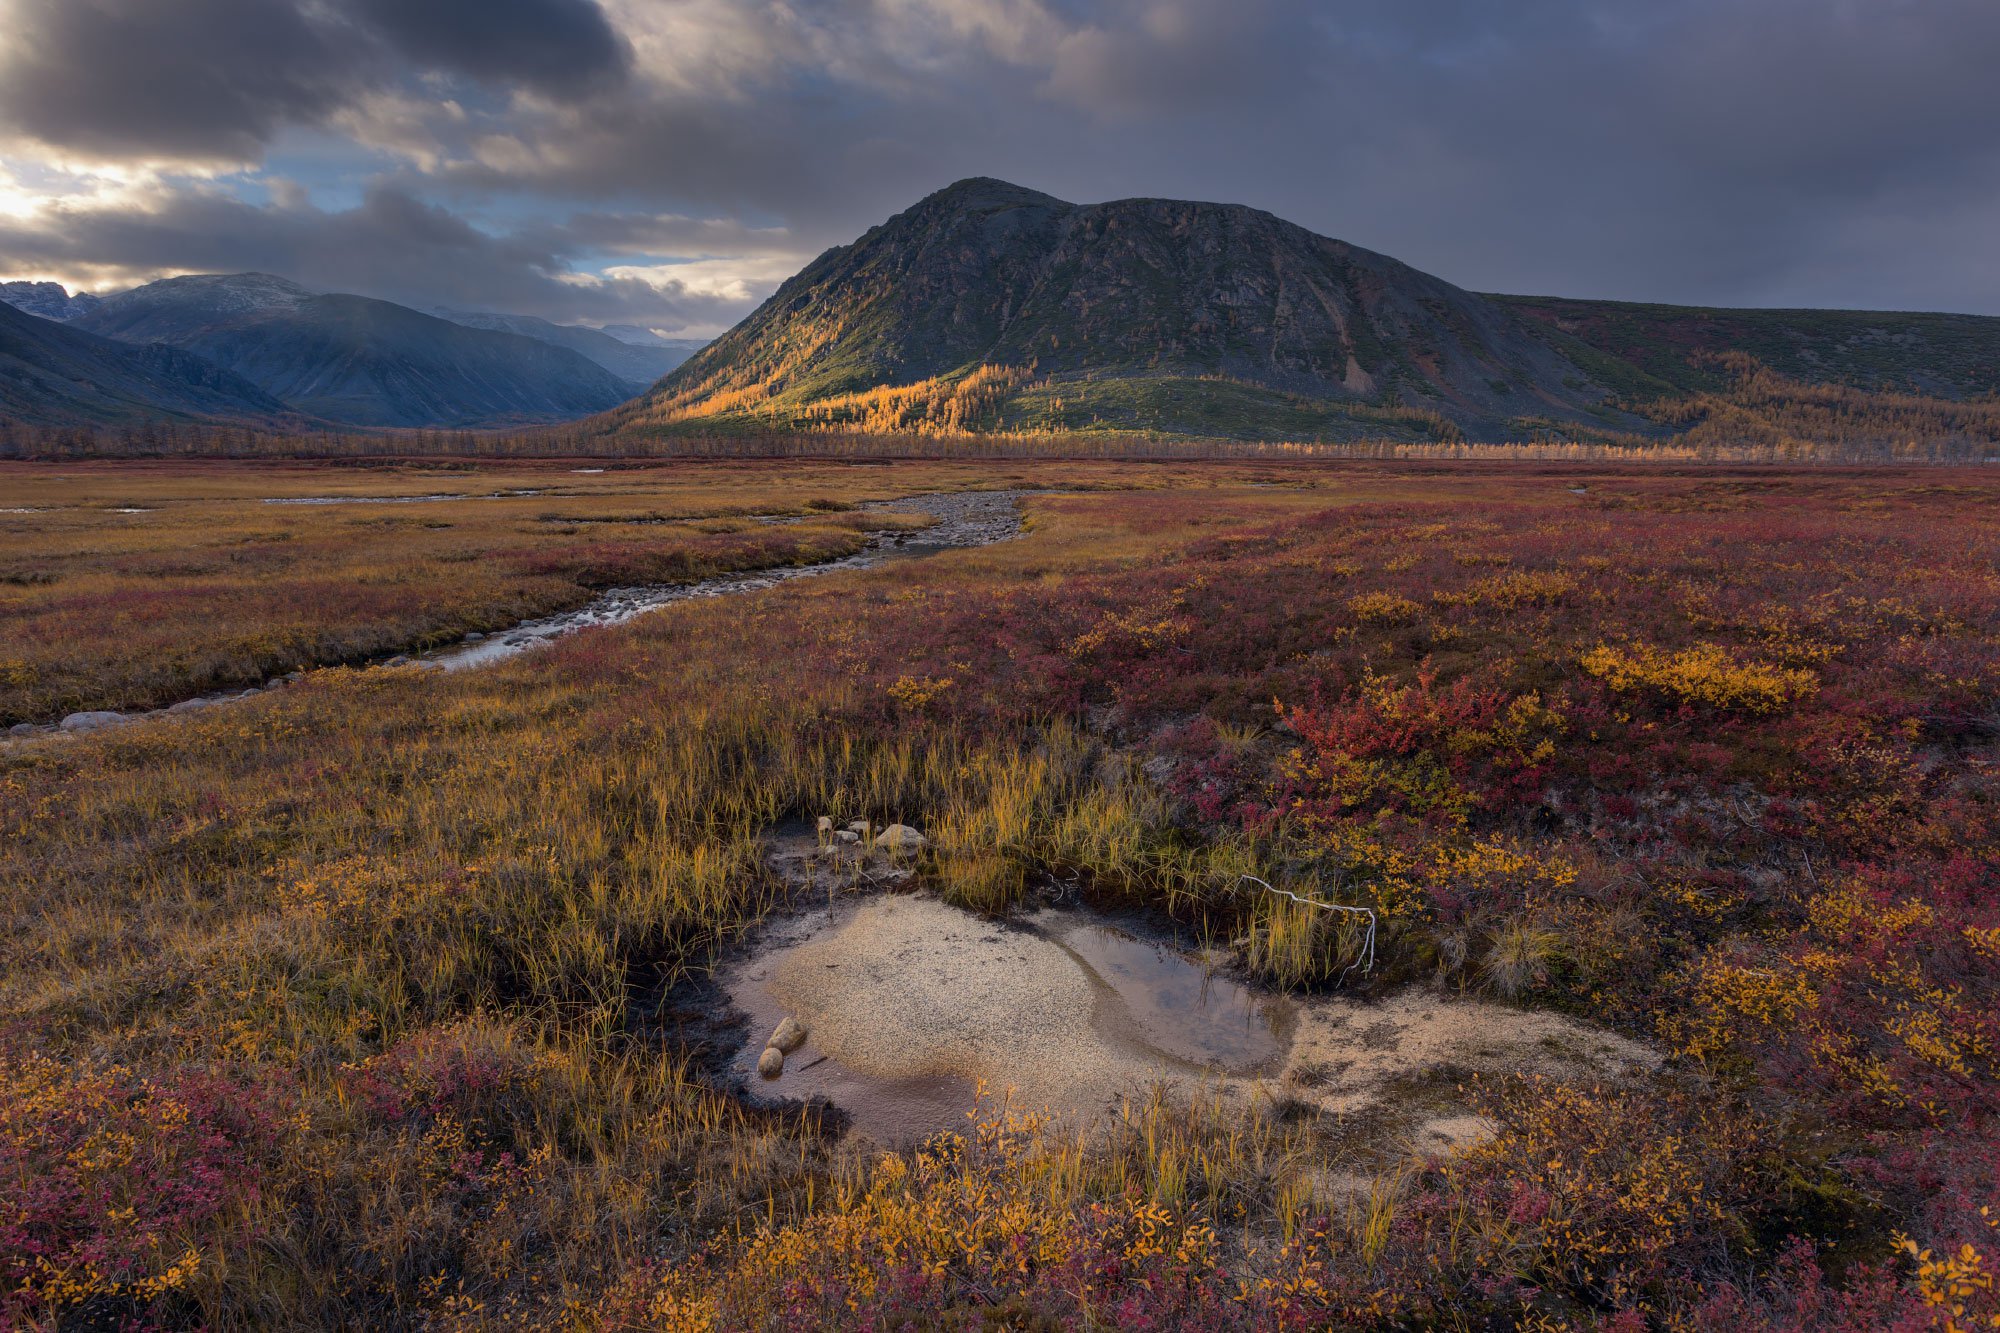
x=126, y=1194
x=1704, y=674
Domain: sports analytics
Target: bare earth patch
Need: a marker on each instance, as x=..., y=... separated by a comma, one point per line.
x=911, y=1003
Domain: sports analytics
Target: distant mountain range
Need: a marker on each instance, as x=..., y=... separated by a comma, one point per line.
x=636, y=362
x=254, y=348
x=53, y=375
x=357, y=361
x=987, y=307
x=639, y=336
x=992, y=307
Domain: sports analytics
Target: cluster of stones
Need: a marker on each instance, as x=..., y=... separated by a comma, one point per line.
x=789, y=1036
x=897, y=838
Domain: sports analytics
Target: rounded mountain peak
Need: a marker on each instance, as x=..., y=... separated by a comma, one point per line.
x=984, y=193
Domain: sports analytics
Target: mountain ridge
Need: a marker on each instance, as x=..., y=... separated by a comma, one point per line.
x=638, y=364
x=1185, y=304
x=54, y=374
x=50, y=300
x=991, y=307
x=358, y=361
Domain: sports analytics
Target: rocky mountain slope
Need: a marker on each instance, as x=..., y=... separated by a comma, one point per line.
x=58, y=375
x=50, y=300
x=357, y=361
x=638, y=364
x=994, y=306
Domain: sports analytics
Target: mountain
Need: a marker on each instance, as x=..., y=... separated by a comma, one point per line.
x=1665, y=350
x=357, y=361
x=638, y=364
x=640, y=336
x=57, y=375
x=50, y=300
x=992, y=306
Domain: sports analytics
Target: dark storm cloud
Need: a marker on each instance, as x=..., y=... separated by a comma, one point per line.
x=193, y=80
x=554, y=46
x=175, y=78
x=1748, y=151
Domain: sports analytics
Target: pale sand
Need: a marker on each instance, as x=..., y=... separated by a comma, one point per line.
x=906, y=989
x=911, y=988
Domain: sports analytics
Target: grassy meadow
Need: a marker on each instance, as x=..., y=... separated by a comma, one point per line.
x=135, y=585
x=343, y=1006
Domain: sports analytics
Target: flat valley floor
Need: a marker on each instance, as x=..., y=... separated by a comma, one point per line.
x=1339, y=894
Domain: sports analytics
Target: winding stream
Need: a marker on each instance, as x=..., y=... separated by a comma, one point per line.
x=977, y=518
x=964, y=519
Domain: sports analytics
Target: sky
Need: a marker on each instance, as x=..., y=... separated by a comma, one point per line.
x=669, y=162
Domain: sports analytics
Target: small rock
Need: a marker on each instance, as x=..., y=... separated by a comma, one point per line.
x=474, y=637
x=791, y=1035
x=858, y=826
x=399, y=660
x=190, y=705
x=848, y=836
x=825, y=826
x=92, y=721
x=900, y=838
x=23, y=729
x=771, y=1063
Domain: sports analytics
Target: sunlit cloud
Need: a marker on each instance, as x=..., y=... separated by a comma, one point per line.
x=739, y=279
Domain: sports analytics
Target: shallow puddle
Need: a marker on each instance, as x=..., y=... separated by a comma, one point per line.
x=361, y=499
x=434, y=498
x=1152, y=995
x=912, y=1005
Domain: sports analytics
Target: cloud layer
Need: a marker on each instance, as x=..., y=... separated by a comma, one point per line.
x=667, y=161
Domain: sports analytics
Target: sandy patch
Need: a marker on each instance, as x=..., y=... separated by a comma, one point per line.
x=1346, y=1054
x=911, y=1003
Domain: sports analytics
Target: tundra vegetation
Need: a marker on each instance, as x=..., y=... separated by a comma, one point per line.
x=343, y=1005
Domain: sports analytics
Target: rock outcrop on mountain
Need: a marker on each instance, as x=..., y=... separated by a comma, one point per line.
x=50, y=300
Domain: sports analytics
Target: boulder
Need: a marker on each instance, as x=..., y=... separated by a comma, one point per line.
x=23, y=729
x=900, y=838
x=190, y=705
x=848, y=836
x=771, y=1063
x=824, y=827
x=92, y=721
x=791, y=1035
x=858, y=826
